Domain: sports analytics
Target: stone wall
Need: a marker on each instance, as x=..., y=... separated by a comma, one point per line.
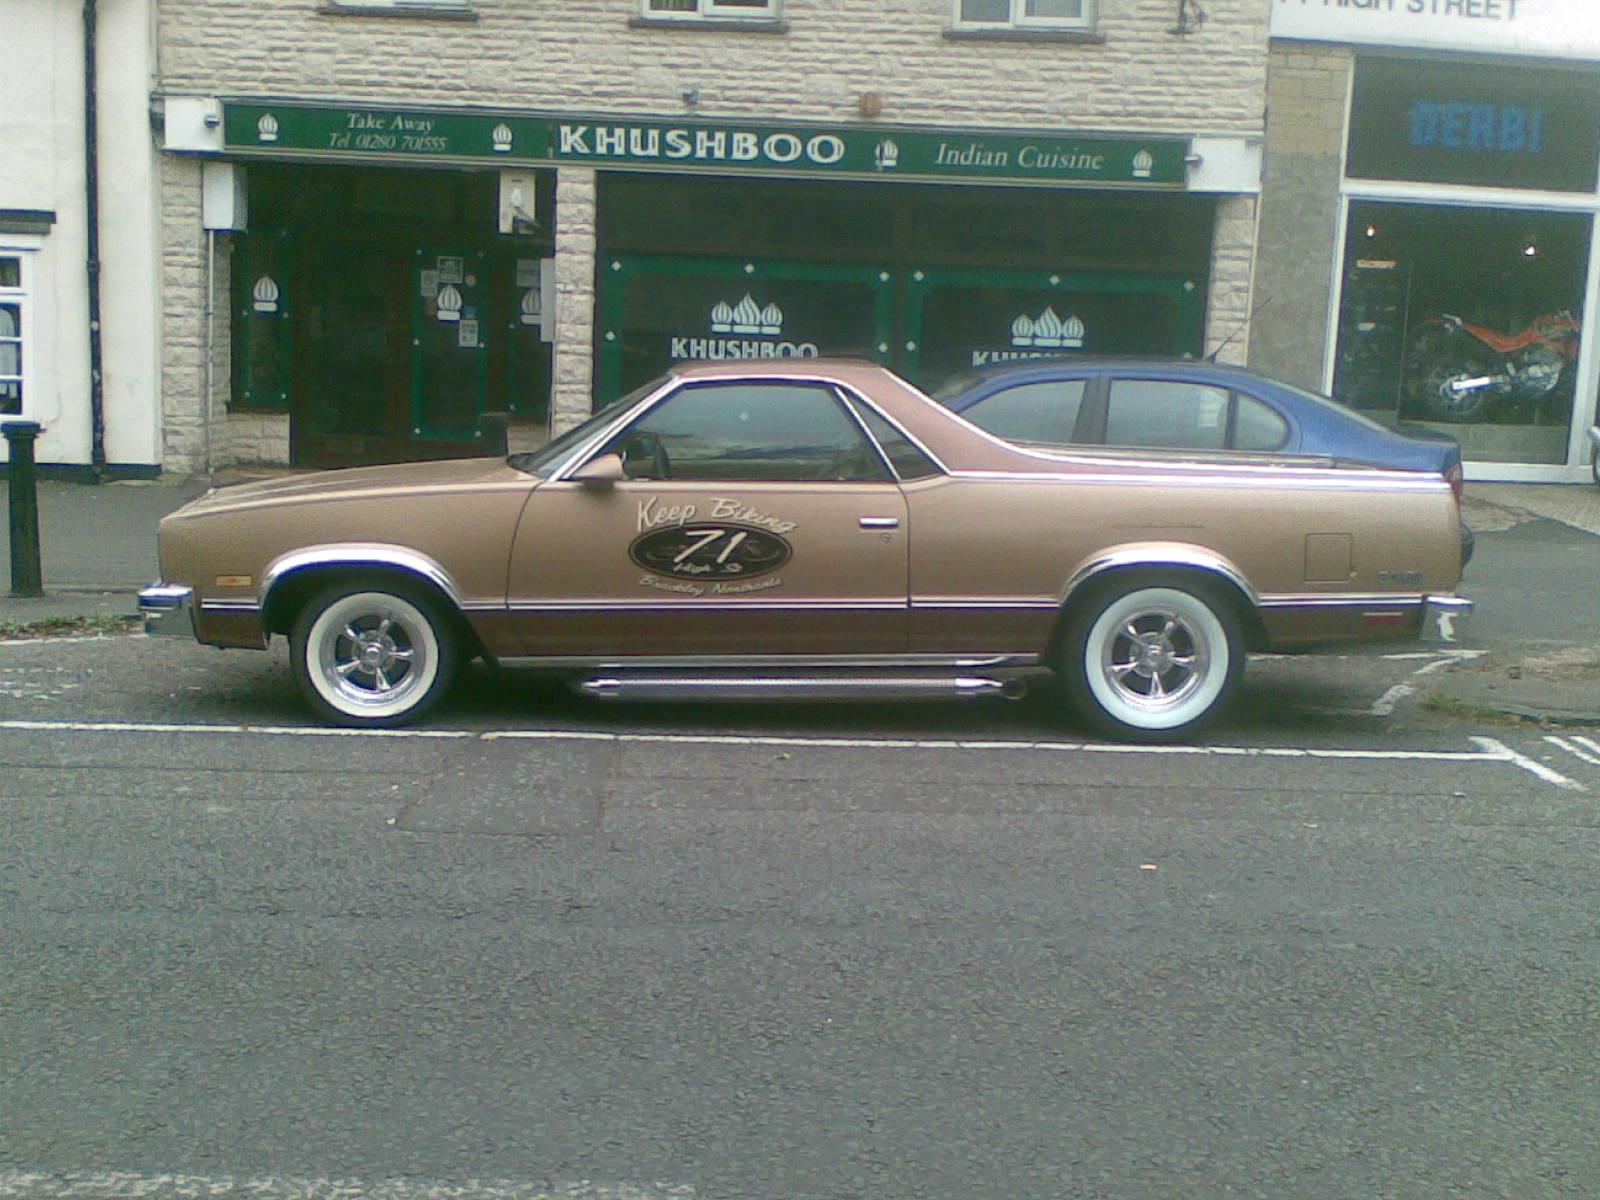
x=597, y=57
x=1307, y=96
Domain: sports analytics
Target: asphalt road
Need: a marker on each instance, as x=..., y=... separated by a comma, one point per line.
x=1345, y=948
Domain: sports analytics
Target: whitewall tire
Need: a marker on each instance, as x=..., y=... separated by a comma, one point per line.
x=1152, y=661
x=378, y=655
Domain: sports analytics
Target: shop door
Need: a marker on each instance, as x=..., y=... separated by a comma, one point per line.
x=959, y=318
x=393, y=362
x=656, y=310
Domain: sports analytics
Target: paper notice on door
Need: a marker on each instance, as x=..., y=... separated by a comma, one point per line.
x=467, y=334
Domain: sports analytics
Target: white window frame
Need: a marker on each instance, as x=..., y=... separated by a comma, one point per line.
x=713, y=10
x=1018, y=18
x=21, y=296
x=400, y=5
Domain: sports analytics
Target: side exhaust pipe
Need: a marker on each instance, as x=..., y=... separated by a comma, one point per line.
x=742, y=686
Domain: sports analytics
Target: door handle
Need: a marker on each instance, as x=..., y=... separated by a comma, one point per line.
x=880, y=522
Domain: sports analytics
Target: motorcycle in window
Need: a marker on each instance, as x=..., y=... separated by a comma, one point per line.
x=1458, y=371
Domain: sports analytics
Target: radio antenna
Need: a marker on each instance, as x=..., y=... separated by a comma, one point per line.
x=1223, y=344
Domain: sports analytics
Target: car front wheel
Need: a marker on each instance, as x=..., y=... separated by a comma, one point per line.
x=1152, y=661
x=372, y=656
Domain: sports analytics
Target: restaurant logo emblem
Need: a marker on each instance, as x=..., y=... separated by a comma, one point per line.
x=1044, y=336
x=746, y=330
x=1047, y=331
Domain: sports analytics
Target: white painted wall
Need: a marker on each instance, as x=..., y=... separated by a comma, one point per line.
x=41, y=128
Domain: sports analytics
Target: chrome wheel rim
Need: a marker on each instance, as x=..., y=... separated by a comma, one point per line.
x=1157, y=658
x=372, y=654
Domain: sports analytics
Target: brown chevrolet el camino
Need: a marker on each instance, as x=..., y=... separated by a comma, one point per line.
x=811, y=528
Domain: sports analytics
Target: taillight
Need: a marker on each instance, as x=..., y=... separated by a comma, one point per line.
x=1457, y=480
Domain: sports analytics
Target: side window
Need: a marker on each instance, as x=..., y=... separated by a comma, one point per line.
x=908, y=460
x=1256, y=426
x=1031, y=412
x=1167, y=414
x=13, y=301
x=750, y=432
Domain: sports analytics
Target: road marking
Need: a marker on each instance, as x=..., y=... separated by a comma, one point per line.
x=1506, y=754
x=1384, y=705
x=1489, y=750
x=91, y=1185
x=1581, y=751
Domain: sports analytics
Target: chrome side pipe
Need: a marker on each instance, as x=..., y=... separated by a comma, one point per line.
x=757, y=686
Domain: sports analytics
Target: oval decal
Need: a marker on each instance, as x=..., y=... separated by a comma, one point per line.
x=710, y=550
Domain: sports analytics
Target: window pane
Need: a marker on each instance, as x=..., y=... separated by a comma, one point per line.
x=10, y=272
x=672, y=5
x=908, y=461
x=1257, y=427
x=749, y=432
x=1054, y=9
x=1163, y=413
x=985, y=10
x=10, y=360
x=1034, y=412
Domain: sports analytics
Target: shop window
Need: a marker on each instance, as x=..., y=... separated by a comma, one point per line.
x=1046, y=15
x=1467, y=320
x=262, y=301
x=765, y=11
x=13, y=315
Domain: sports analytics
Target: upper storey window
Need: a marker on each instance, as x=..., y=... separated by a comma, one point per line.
x=711, y=10
x=1024, y=14
x=457, y=9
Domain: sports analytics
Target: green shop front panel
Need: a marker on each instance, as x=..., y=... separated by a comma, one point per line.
x=956, y=319
x=659, y=310
x=448, y=347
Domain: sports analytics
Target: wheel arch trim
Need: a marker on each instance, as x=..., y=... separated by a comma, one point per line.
x=357, y=555
x=1159, y=556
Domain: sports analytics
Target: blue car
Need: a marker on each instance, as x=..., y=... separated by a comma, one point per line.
x=1184, y=406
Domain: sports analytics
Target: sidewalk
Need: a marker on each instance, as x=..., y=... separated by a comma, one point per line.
x=1535, y=578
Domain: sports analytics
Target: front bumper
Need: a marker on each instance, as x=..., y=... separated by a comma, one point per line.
x=168, y=610
x=1444, y=618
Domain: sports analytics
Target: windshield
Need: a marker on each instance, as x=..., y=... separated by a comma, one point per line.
x=542, y=461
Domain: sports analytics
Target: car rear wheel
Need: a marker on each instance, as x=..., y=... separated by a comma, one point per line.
x=1152, y=660
x=375, y=656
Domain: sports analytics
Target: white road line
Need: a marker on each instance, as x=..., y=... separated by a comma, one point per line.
x=1581, y=754
x=1384, y=705
x=1489, y=751
x=91, y=1185
x=1506, y=754
x=1587, y=743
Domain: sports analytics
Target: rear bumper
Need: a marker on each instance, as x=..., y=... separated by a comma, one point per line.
x=168, y=610
x=1444, y=618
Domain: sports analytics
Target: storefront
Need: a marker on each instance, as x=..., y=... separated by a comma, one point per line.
x=1464, y=281
x=402, y=282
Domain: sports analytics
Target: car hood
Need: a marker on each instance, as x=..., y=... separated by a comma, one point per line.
x=397, y=479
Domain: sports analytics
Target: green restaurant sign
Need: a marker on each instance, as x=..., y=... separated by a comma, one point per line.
x=395, y=134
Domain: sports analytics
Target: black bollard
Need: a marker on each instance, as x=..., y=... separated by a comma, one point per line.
x=26, y=578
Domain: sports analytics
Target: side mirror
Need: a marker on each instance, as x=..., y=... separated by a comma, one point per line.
x=601, y=474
